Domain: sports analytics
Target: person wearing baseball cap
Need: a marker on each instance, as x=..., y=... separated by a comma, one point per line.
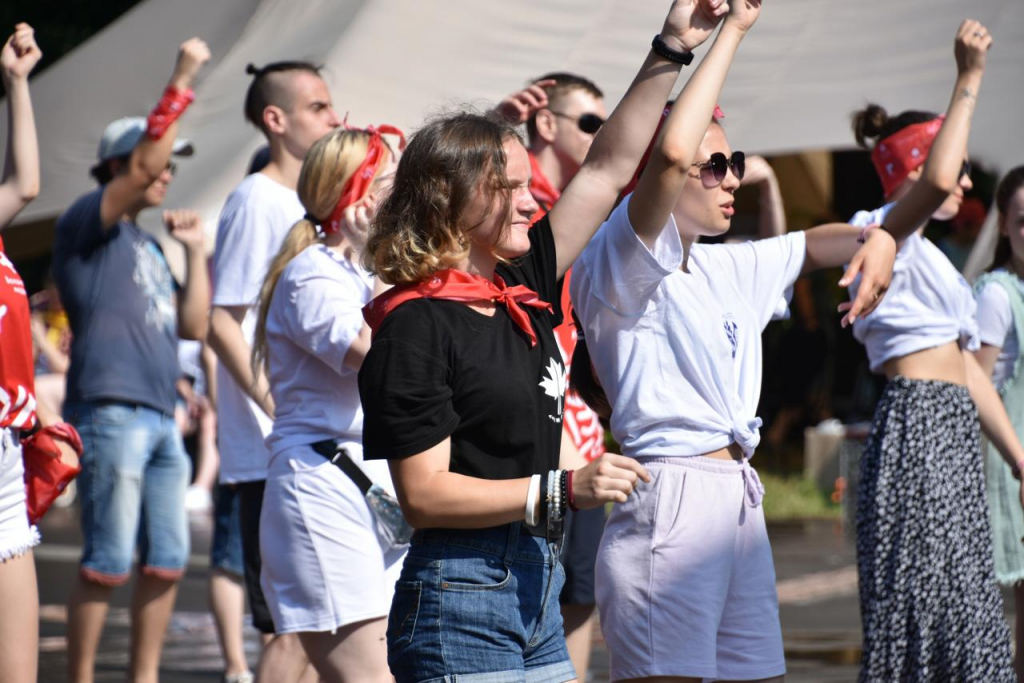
x=127, y=313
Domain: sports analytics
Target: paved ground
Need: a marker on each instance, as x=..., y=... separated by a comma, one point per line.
x=814, y=562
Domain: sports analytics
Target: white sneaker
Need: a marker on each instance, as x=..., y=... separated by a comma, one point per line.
x=244, y=677
x=199, y=500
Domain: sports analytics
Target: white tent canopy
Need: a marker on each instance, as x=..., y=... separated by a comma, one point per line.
x=805, y=67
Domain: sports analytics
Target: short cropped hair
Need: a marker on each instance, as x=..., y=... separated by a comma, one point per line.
x=267, y=88
x=565, y=83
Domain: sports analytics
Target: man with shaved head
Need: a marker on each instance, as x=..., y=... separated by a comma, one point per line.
x=290, y=104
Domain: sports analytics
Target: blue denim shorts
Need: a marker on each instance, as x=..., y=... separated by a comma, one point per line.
x=226, y=545
x=132, y=489
x=478, y=606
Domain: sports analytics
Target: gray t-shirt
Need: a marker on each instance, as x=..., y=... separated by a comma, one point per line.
x=120, y=299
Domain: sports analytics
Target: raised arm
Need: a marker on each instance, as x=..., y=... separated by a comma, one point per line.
x=20, y=182
x=194, y=298
x=676, y=147
x=622, y=140
x=149, y=158
x=771, y=220
x=941, y=172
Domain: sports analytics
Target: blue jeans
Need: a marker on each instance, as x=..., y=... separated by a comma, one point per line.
x=478, y=606
x=226, y=545
x=132, y=489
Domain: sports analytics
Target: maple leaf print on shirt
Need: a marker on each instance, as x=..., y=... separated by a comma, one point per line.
x=554, y=383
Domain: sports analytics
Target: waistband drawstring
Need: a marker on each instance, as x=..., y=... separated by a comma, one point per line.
x=753, y=489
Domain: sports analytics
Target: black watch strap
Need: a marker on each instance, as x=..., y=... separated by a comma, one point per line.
x=663, y=50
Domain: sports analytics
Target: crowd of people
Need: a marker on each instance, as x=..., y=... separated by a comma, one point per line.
x=401, y=360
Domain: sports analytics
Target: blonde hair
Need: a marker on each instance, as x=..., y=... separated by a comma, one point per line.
x=328, y=165
x=421, y=226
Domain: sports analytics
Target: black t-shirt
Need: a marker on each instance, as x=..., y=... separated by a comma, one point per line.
x=439, y=369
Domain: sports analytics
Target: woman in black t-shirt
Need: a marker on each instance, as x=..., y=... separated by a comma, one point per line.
x=462, y=388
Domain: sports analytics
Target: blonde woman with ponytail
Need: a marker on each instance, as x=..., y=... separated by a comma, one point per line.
x=327, y=573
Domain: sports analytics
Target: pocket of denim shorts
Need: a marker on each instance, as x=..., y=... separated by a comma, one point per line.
x=114, y=413
x=405, y=609
x=470, y=572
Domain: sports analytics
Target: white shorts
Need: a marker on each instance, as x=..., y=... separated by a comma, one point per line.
x=324, y=565
x=685, y=578
x=17, y=536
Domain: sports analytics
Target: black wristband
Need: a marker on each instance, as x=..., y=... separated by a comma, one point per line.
x=564, y=500
x=663, y=50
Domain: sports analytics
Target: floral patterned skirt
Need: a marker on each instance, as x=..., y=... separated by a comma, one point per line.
x=929, y=604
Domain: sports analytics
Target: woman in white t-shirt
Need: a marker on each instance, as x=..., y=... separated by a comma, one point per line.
x=929, y=605
x=328, y=573
x=685, y=578
x=1000, y=296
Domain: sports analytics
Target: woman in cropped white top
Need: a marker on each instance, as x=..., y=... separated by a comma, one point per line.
x=929, y=604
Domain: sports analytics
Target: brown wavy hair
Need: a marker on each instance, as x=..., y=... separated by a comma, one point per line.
x=421, y=225
x=328, y=165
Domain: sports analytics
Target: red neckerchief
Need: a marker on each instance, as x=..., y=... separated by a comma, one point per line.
x=359, y=182
x=904, y=151
x=456, y=285
x=542, y=190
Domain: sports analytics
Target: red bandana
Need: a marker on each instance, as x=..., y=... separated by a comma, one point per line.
x=360, y=181
x=456, y=285
x=542, y=190
x=904, y=151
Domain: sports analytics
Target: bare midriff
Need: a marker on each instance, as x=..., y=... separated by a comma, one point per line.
x=730, y=452
x=940, y=363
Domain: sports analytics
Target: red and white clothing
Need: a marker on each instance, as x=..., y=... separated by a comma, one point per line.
x=17, y=389
x=578, y=420
x=17, y=410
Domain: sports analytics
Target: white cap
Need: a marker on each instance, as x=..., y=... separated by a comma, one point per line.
x=121, y=136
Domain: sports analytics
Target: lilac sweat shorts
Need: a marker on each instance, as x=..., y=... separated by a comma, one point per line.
x=685, y=577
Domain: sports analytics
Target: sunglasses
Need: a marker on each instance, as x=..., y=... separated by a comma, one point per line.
x=172, y=167
x=965, y=169
x=588, y=123
x=712, y=171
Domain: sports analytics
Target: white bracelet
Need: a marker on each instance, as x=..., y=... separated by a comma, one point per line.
x=532, y=493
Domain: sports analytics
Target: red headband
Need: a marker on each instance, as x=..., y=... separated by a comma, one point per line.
x=904, y=151
x=718, y=114
x=360, y=181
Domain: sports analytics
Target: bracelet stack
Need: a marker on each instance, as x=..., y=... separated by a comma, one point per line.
x=554, y=489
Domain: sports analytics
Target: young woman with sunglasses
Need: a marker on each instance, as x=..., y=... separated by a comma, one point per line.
x=463, y=385
x=929, y=604
x=1000, y=296
x=686, y=584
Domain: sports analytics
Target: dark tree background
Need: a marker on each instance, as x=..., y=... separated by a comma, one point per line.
x=60, y=25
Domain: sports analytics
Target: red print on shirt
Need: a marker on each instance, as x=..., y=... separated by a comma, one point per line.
x=17, y=386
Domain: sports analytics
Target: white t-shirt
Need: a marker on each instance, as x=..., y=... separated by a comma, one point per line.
x=928, y=304
x=314, y=316
x=256, y=217
x=995, y=328
x=679, y=354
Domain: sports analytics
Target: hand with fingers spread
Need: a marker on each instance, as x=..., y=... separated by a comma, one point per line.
x=20, y=54
x=873, y=262
x=610, y=478
x=185, y=226
x=690, y=22
x=518, y=107
x=971, y=48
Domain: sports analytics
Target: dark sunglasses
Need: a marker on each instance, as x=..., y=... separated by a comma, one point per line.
x=172, y=167
x=965, y=169
x=588, y=123
x=712, y=171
